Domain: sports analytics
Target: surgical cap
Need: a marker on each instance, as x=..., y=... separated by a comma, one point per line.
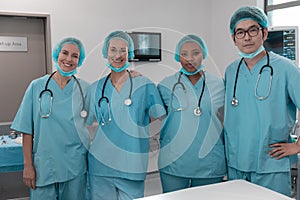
x=69, y=40
x=190, y=38
x=248, y=13
x=119, y=35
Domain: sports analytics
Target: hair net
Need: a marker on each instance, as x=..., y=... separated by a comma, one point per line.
x=190, y=38
x=246, y=13
x=121, y=35
x=69, y=40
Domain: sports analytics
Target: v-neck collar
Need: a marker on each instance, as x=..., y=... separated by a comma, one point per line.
x=124, y=87
x=56, y=87
x=256, y=68
x=198, y=83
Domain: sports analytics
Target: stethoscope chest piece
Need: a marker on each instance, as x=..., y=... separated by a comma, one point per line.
x=127, y=102
x=103, y=98
x=83, y=113
x=234, y=102
x=197, y=111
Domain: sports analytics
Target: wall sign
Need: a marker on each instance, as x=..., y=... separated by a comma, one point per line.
x=13, y=43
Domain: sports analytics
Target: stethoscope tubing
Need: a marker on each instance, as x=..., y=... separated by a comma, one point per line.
x=104, y=86
x=83, y=113
x=46, y=87
x=197, y=111
x=127, y=101
x=234, y=101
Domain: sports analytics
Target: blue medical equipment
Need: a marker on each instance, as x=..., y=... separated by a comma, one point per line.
x=197, y=111
x=234, y=101
x=83, y=112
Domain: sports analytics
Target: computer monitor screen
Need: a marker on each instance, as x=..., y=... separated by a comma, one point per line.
x=283, y=41
x=147, y=46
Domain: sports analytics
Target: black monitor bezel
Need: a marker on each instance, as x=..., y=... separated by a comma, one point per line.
x=145, y=57
x=288, y=28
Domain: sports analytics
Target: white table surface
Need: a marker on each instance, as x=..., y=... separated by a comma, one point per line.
x=229, y=190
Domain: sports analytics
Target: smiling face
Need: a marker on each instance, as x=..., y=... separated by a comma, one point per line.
x=117, y=53
x=68, y=57
x=249, y=44
x=191, y=56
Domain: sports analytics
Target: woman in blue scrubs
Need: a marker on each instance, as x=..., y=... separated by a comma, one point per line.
x=122, y=105
x=55, y=140
x=259, y=112
x=192, y=147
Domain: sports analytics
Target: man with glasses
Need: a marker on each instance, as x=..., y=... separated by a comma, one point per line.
x=262, y=94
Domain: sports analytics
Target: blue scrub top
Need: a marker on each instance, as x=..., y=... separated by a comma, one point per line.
x=60, y=141
x=120, y=148
x=254, y=124
x=192, y=146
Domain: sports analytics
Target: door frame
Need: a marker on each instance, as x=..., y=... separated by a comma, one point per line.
x=47, y=31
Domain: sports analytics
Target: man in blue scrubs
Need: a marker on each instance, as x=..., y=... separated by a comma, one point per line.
x=259, y=112
x=192, y=144
x=55, y=139
x=122, y=105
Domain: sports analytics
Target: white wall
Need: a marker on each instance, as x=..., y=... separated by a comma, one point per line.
x=222, y=49
x=92, y=20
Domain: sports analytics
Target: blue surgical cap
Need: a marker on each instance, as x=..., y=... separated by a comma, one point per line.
x=190, y=38
x=69, y=40
x=248, y=13
x=119, y=35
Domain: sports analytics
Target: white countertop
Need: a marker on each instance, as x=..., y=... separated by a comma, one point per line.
x=229, y=190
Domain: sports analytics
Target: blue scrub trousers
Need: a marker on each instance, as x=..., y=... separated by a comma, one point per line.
x=73, y=189
x=110, y=188
x=172, y=183
x=279, y=181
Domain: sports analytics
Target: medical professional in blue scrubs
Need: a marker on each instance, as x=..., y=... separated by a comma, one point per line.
x=259, y=111
x=122, y=105
x=192, y=148
x=55, y=139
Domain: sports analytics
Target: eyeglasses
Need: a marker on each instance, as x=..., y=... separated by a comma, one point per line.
x=252, y=32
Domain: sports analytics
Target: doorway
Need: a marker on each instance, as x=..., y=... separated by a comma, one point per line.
x=17, y=70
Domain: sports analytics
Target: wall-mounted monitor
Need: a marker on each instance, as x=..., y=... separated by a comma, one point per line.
x=283, y=40
x=147, y=46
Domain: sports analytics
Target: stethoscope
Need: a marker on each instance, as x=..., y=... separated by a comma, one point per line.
x=197, y=110
x=83, y=112
x=234, y=101
x=127, y=101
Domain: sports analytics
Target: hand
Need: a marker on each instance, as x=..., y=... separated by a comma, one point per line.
x=284, y=149
x=29, y=176
x=134, y=73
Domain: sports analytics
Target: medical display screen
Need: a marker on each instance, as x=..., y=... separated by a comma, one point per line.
x=283, y=41
x=147, y=46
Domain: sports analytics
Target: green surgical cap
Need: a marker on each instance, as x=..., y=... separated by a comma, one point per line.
x=120, y=35
x=69, y=40
x=190, y=38
x=248, y=13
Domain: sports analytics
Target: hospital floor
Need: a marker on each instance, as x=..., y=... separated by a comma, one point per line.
x=12, y=187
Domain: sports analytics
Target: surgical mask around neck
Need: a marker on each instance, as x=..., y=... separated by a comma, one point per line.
x=191, y=73
x=63, y=73
x=127, y=64
x=252, y=55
